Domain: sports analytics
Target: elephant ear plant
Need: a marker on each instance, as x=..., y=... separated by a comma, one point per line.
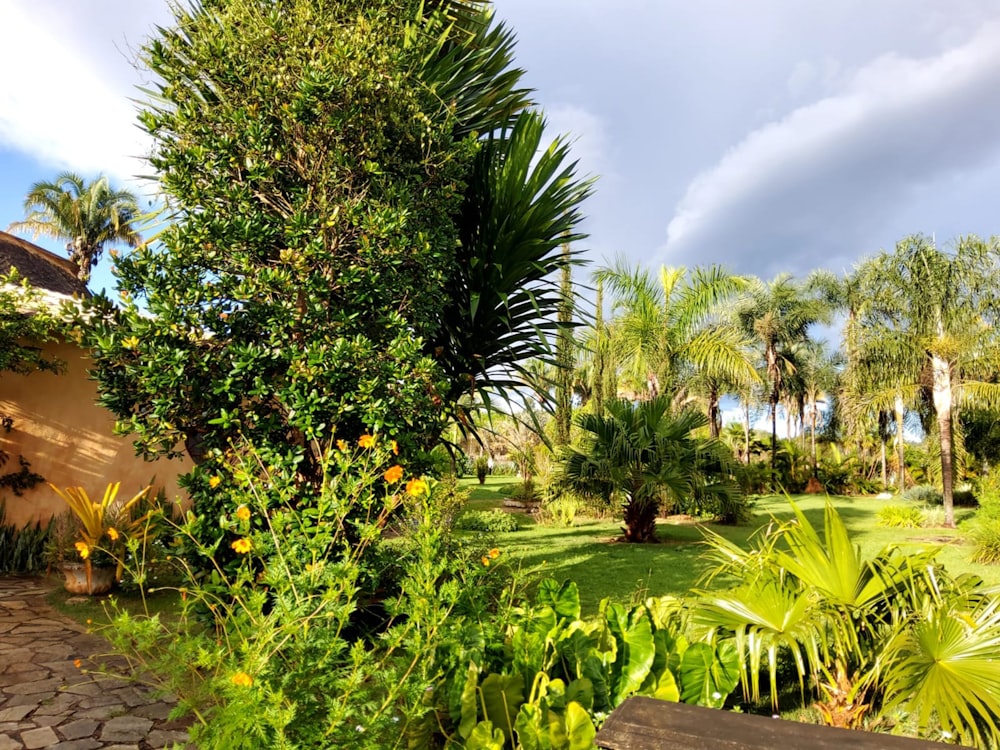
x=104, y=528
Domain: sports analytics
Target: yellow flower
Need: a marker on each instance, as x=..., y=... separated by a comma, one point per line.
x=366, y=441
x=342, y=446
x=243, y=513
x=395, y=448
x=494, y=553
x=215, y=481
x=393, y=473
x=242, y=679
x=486, y=561
x=83, y=549
x=241, y=546
x=131, y=342
x=113, y=533
x=416, y=487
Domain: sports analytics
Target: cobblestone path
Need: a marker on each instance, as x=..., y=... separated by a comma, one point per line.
x=47, y=701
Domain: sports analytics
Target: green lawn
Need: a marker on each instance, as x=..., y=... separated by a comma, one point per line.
x=591, y=554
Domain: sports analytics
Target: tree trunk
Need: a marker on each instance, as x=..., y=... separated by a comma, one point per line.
x=885, y=465
x=774, y=444
x=941, y=370
x=812, y=426
x=900, y=445
x=599, y=363
x=640, y=520
x=713, y=411
x=746, y=432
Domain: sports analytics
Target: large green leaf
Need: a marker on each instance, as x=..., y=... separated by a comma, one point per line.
x=532, y=728
x=579, y=728
x=708, y=676
x=564, y=599
x=634, y=636
x=485, y=737
x=947, y=667
x=502, y=696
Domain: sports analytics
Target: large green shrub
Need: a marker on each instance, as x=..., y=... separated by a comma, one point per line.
x=364, y=223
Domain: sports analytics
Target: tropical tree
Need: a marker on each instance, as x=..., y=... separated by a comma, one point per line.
x=817, y=372
x=646, y=457
x=778, y=315
x=89, y=215
x=668, y=332
x=930, y=318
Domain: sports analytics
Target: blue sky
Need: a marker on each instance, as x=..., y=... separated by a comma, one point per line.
x=765, y=135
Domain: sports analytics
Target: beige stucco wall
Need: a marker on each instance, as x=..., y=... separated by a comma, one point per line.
x=69, y=440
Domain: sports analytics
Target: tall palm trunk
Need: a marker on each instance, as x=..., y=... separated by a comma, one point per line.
x=714, y=420
x=774, y=440
x=900, y=446
x=746, y=432
x=812, y=429
x=884, y=463
x=941, y=373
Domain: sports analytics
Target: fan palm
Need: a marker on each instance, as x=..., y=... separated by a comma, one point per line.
x=89, y=216
x=645, y=456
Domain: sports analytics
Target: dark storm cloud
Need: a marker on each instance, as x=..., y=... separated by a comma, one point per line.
x=813, y=188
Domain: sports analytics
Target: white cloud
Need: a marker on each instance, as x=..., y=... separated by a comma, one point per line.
x=68, y=79
x=586, y=134
x=895, y=124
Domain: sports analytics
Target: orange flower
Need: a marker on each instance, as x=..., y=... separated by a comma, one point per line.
x=241, y=546
x=243, y=513
x=494, y=553
x=395, y=448
x=342, y=446
x=366, y=441
x=486, y=561
x=215, y=481
x=113, y=533
x=242, y=679
x=77, y=663
x=416, y=486
x=393, y=473
x=83, y=549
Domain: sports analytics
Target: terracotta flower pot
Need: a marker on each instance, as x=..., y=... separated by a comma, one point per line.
x=102, y=578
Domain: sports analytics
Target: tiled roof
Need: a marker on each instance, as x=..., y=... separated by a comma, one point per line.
x=42, y=269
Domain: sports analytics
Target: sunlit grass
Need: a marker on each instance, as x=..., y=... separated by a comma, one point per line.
x=592, y=554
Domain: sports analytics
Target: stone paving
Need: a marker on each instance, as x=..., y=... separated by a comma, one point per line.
x=48, y=696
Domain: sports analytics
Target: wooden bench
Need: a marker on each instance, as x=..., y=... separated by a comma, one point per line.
x=648, y=724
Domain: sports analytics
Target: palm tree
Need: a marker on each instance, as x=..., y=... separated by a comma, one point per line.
x=930, y=315
x=818, y=372
x=778, y=315
x=642, y=454
x=669, y=331
x=89, y=216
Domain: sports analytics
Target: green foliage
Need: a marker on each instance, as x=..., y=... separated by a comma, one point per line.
x=887, y=632
x=22, y=548
x=89, y=216
x=298, y=646
x=562, y=509
x=487, y=521
x=984, y=533
x=353, y=222
x=558, y=675
x=482, y=469
x=901, y=516
x=650, y=459
x=923, y=494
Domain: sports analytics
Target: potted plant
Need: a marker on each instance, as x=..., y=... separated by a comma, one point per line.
x=95, y=560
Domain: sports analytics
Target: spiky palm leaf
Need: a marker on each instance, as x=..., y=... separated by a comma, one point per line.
x=521, y=205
